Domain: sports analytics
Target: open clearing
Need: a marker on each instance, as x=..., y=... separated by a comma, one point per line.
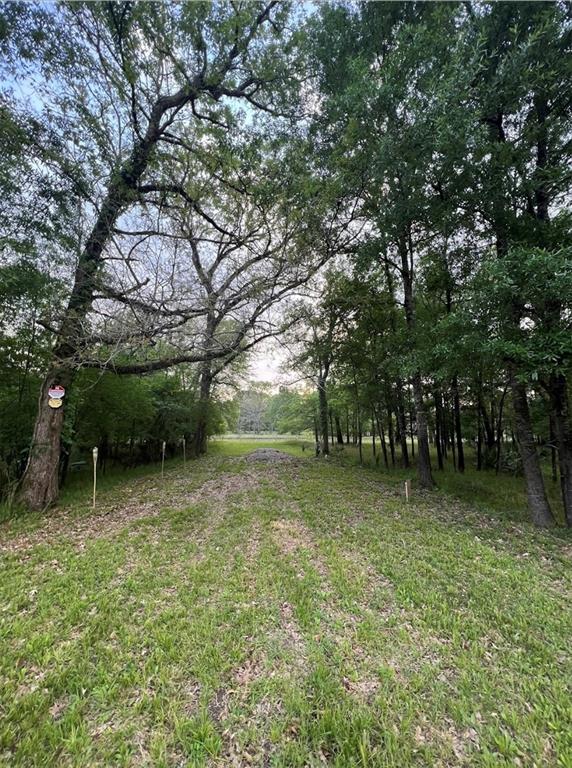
x=282, y=613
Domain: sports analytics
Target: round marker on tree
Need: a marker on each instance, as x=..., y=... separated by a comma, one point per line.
x=55, y=395
x=94, y=452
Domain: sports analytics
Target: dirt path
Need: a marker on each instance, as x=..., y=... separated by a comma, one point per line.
x=269, y=455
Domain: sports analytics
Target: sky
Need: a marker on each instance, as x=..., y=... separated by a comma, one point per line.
x=266, y=363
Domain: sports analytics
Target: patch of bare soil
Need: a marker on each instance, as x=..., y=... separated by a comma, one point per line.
x=363, y=689
x=270, y=455
x=223, y=486
x=110, y=518
x=253, y=546
x=236, y=706
x=290, y=631
x=459, y=742
x=291, y=536
x=232, y=709
x=341, y=624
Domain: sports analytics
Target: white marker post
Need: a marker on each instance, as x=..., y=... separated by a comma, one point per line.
x=163, y=460
x=94, y=452
x=407, y=489
x=184, y=452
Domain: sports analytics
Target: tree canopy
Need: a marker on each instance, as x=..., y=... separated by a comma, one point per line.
x=384, y=186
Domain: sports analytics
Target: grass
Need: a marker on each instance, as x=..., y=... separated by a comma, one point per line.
x=503, y=494
x=290, y=614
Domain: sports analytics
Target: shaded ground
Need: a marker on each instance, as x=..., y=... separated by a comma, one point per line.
x=282, y=612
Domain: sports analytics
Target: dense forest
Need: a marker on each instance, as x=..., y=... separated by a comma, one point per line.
x=384, y=187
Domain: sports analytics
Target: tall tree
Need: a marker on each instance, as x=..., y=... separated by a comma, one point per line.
x=161, y=74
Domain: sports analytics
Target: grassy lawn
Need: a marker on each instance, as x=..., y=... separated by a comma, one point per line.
x=297, y=613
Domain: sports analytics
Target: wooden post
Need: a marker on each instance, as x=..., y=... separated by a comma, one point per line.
x=163, y=460
x=94, y=453
x=407, y=489
x=184, y=452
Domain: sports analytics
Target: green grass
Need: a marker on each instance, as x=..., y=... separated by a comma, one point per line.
x=503, y=494
x=293, y=614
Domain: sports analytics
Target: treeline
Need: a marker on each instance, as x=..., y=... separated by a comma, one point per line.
x=259, y=409
x=452, y=319
x=470, y=420
x=126, y=417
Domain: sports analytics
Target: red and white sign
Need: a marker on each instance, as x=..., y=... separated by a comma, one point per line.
x=57, y=392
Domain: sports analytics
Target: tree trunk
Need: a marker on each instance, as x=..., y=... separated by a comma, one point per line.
x=444, y=426
x=537, y=500
x=487, y=425
x=424, y=457
x=562, y=420
x=323, y=414
x=200, y=436
x=402, y=427
x=339, y=435
x=424, y=474
x=438, y=419
x=553, y=458
x=450, y=419
x=457, y=412
x=390, y=432
x=381, y=437
x=479, y=442
x=373, y=436
x=39, y=486
x=489, y=428
x=64, y=465
x=500, y=431
x=411, y=433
